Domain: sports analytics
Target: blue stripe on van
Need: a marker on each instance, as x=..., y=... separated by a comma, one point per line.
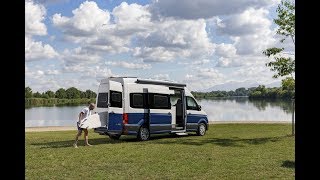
x=115, y=122
x=160, y=118
x=195, y=118
x=134, y=118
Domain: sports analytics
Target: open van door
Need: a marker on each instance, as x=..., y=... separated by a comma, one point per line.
x=115, y=109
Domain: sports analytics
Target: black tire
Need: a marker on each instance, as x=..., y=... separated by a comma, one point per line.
x=201, y=129
x=115, y=137
x=143, y=134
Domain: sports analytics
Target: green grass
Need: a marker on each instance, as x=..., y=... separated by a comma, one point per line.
x=227, y=151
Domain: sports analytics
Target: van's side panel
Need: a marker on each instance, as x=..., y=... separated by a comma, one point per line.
x=115, y=113
x=136, y=116
x=194, y=116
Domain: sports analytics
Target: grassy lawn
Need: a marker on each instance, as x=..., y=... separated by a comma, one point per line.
x=227, y=151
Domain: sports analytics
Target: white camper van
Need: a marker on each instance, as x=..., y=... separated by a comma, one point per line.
x=133, y=106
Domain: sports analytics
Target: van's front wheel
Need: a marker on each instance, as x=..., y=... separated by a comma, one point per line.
x=201, y=129
x=143, y=134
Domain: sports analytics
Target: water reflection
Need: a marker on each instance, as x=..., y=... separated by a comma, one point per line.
x=243, y=109
x=224, y=109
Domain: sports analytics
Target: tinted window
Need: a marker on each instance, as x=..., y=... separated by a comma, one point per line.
x=159, y=101
x=136, y=100
x=115, y=99
x=102, y=100
x=191, y=104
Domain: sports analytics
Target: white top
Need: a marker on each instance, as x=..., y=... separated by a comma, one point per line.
x=86, y=112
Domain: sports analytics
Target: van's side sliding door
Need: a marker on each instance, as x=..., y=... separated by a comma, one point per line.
x=160, y=112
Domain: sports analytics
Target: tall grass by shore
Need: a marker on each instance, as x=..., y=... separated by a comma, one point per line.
x=36, y=102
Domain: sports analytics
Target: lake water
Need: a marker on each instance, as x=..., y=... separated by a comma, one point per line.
x=230, y=109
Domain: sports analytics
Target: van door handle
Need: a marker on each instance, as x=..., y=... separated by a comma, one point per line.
x=169, y=112
x=111, y=112
x=189, y=113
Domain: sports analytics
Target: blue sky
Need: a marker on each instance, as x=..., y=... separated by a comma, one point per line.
x=202, y=43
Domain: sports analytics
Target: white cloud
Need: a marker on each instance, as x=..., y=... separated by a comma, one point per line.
x=34, y=15
x=225, y=50
x=161, y=77
x=247, y=22
x=173, y=39
x=35, y=50
x=86, y=20
x=34, y=25
x=209, y=73
x=200, y=62
x=79, y=56
x=52, y=72
x=190, y=9
x=229, y=62
x=129, y=65
x=203, y=78
x=131, y=19
x=90, y=27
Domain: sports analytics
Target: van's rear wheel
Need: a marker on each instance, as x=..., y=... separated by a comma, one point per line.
x=143, y=134
x=115, y=137
x=201, y=129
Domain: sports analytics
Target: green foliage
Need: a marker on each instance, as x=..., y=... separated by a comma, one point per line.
x=27, y=92
x=44, y=95
x=73, y=93
x=50, y=94
x=37, y=95
x=273, y=93
x=288, y=84
x=71, y=96
x=61, y=93
x=35, y=102
x=283, y=66
x=286, y=19
x=272, y=51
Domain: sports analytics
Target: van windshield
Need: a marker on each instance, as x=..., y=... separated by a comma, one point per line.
x=102, y=100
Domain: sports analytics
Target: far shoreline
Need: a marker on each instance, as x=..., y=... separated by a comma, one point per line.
x=69, y=128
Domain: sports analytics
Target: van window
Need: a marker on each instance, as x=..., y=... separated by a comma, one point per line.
x=115, y=99
x=159, y=101
x=191, y=104
x=136, y=100
x=102, y=100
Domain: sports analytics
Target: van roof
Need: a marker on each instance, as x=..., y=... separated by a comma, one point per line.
x=142, y=81
x=158, y=82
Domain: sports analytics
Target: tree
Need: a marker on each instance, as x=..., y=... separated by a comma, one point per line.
x=37, y=95
x=288, y=84
x=283, y=66
x=27, y=92
x=73, y=93
x=44, y=95
x=50, y=94
x=61, y=93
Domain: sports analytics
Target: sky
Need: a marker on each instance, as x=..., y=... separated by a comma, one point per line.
x=74, y=43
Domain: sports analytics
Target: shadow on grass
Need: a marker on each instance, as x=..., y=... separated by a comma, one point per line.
x=69, y=143
x=191, y=139
x=225, y=142
x=288, y=164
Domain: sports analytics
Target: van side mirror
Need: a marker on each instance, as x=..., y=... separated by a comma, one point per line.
x=199, y=107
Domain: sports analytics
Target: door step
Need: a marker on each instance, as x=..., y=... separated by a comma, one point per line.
x=182, y=134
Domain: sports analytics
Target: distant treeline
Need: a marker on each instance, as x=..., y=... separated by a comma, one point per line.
x=253, y=93
x=70, y=96
x=34, y=102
